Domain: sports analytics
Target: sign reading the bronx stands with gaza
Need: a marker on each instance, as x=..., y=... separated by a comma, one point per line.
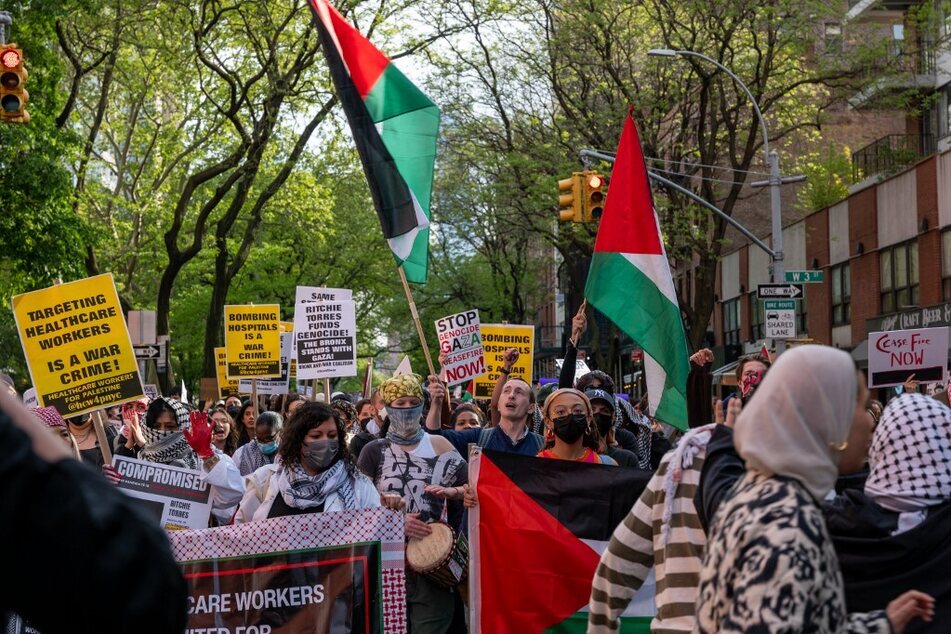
x=325, y=332
x=253, y=341
x=77, y=346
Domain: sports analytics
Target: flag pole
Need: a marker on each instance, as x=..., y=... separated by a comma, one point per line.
x=419, y=327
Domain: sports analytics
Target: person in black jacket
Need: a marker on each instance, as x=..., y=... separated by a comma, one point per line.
x=67, y=527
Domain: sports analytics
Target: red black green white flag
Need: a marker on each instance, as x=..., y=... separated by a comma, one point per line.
x=394, y=126
x=630, y=282
x=536, y=537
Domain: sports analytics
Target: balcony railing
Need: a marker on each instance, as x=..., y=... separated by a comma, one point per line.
x=890, y=154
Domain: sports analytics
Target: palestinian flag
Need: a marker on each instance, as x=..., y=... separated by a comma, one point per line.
x=630, y=283
x=536, y=537
x=394, y=126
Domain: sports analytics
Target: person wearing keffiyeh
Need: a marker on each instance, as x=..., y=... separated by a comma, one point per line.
x=314, y=471
x=172, y=439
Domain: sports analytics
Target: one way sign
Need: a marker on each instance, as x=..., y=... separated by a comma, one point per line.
x=785, y=291
x=146, y=352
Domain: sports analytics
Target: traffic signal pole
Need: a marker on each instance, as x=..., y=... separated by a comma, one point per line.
x=6, y=21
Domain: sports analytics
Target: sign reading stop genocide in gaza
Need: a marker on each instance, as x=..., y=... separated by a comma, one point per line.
x=77, y=346
x=895, y=355
x=460, y=346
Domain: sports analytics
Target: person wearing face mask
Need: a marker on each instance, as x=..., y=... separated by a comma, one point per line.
x=750, y=372
x=365, y=413
x=314, y=472
x=262, y=449
x=602, y=406
x=570, y=430
x=423, y=470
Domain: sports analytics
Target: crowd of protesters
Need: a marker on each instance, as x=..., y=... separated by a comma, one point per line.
x=798, y=505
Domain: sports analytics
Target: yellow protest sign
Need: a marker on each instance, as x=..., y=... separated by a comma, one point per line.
x=226, y=386
x=77, y=346
x=288, y=326
x=253, y=341
x=496, y=339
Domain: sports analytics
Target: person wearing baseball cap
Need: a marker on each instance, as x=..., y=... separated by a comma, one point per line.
x=603, y=407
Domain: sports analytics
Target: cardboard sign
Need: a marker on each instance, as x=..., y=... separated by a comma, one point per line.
x=496, y=339
x=460, y=341
x=177, y=498
x=326, y=335
x=152, y=391
x=29, y=398
x=273, y=386
x=226, y=385
x=77, y=346
x=253, y=341
x=305, y=294
x=318, y=572
x=895, y=355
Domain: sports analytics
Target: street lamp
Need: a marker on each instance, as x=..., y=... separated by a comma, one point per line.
x=772, y=161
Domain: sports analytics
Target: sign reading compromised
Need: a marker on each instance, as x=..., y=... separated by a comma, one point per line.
x=77, y=346
x=226, y=385
x=176, y=498
x=895, y=355
x=326, y=339
x=780, y=318
x=460, y=343
x=253, y=341
x=496, y=339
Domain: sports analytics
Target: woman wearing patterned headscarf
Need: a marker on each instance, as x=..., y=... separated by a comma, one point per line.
x=769, y=562
x=50, y=417
x=177, y=437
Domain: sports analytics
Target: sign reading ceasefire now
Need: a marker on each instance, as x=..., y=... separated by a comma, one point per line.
x=77, y=346
x=253, y=341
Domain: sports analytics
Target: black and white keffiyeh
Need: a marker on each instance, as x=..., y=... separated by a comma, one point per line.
x=910, y=457
x=167, y=447
x=301, y=490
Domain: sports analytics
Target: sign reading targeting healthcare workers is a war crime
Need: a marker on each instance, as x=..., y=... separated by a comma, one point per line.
x=460, y=344
x=280, y=385
x=77, y=346
x=496, y=339
x=253, y=341
x=326, y=335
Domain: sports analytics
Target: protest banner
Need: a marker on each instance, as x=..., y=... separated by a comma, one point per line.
x=151, y=391
x=226, y=385
x=581, y=368
x=318, y=572
x=460, y=344
x=253, y=341
x=326, y=335
x=895, y=355
x=177, y=498
x=305, y=294
x=274, y=386
x=77, y=346
x=29, y=398
x=541, y=520
x=496, y=339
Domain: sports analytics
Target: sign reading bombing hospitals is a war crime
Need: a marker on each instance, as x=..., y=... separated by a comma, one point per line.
x=77, y=346
x=253, y=341
x=496, y=339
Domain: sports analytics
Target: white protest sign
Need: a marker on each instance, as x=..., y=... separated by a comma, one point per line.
x=320, y=294
x=460, y=344
x=895, y=355
x=30, y=399
x=581, y=368
x=274, y=386
x=176, y=498
x=404, y=367
x=326, y=339
x=151, y=391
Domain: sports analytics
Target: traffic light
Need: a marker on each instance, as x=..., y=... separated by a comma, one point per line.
x=594, y=185
x=13, y=94
x=570, y=201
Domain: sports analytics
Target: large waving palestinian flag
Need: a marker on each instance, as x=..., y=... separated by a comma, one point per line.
x=630, y=283
x=536, y=538
x=394, y=126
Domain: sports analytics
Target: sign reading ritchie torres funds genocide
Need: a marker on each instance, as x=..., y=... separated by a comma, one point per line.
x=77, y=346
x=496, y=339
x=326, y=334
x=253, y=341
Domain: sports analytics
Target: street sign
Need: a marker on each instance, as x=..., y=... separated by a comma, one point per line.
x=779, y=291
x=146, y=352
x=805, y=277
x=780, y=319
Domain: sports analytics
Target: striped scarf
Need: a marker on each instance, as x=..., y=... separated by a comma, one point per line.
x=301, y=490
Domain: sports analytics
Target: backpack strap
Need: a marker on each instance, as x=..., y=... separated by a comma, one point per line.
x=484, y=436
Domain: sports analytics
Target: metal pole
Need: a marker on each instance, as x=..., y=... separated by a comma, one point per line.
x=6, y=21
x=779, y=265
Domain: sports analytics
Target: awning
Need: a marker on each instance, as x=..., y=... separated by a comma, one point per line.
x=725, y=375
x=860, y=353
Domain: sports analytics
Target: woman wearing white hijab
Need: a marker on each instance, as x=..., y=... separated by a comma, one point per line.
x=769, y=564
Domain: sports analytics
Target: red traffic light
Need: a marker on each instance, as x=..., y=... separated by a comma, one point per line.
x=595, y=182
x=10, y=58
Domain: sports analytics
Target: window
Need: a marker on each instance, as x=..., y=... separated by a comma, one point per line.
x=731, y=322
x=756, y=318
x=899, y=266
x=801, y=329
x=833, y=38
x=841, y=295
x=946, y=265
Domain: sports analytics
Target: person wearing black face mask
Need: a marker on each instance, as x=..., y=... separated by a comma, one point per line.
x=365, y=414
x=570, y=430
x=314, y=472
x=602, y=406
